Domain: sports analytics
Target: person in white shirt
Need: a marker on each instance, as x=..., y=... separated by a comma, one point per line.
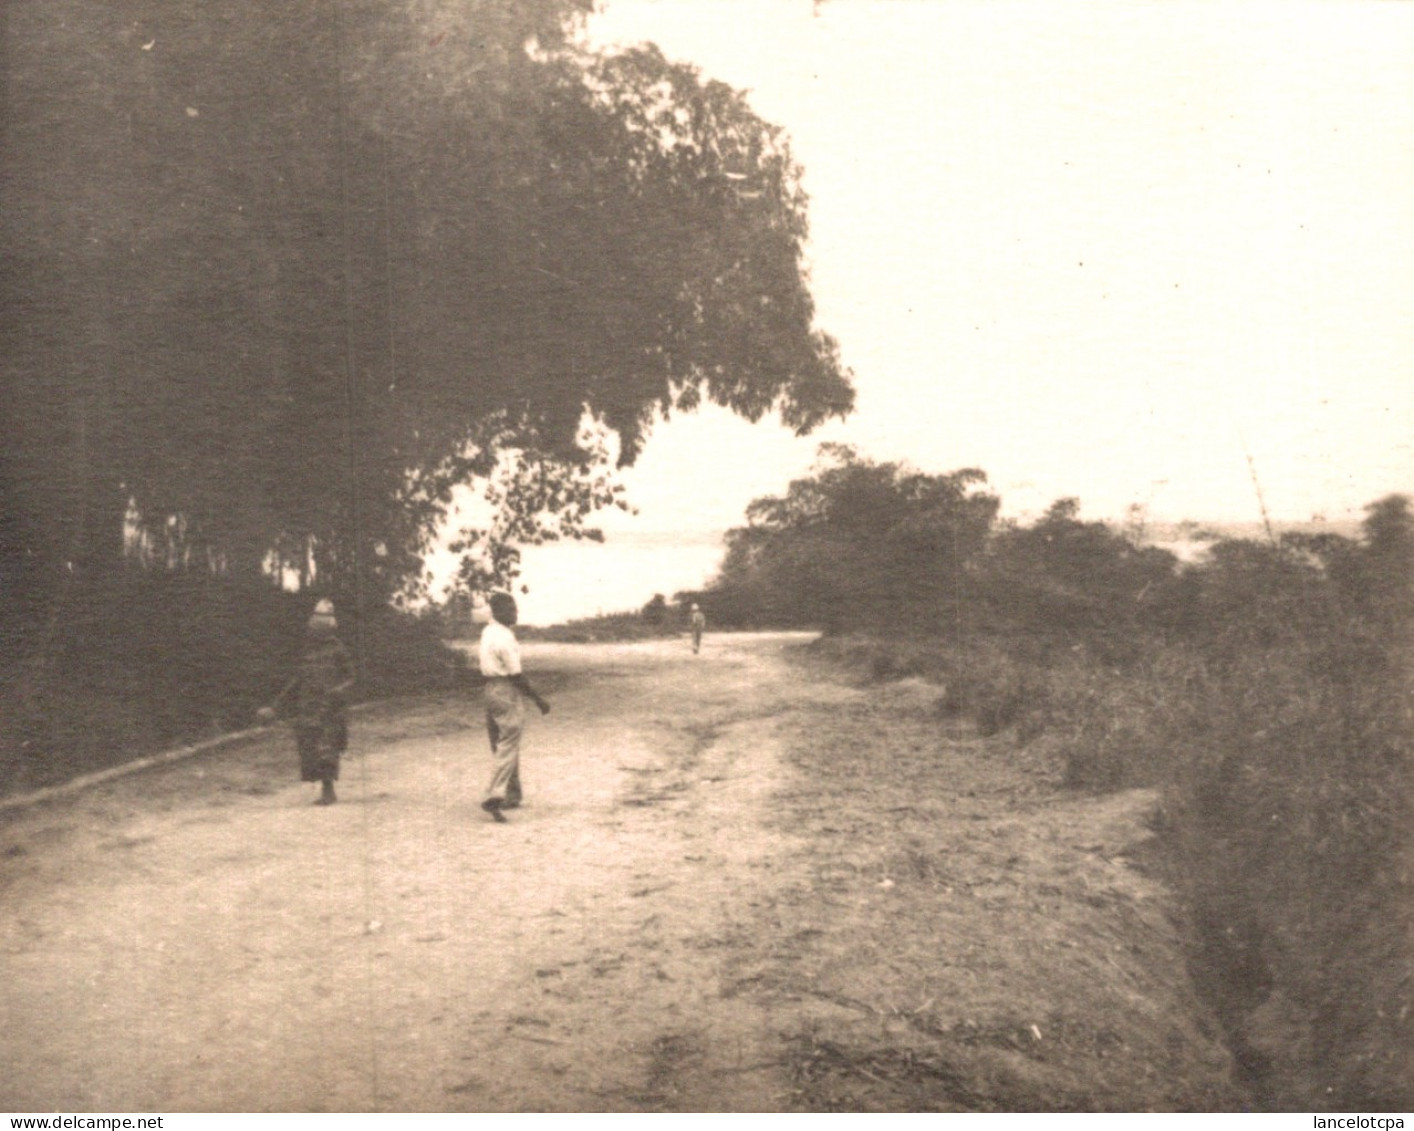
x=506, y=692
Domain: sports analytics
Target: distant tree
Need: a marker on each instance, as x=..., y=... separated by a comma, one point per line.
x=655, y=612
x=859, y=542
x=1382, y=578
x=1389, y=531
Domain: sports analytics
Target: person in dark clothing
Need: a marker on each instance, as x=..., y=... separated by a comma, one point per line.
x=318, y=695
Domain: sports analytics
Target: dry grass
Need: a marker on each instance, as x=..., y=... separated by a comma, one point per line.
x=976, y=936
x=1283, y=758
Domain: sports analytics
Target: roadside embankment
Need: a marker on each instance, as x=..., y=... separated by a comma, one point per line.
x=1280, y=789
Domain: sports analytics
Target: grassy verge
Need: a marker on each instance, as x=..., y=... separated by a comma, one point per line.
x=972, y=935
x=1283, y=761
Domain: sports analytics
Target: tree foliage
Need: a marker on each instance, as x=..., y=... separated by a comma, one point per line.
x=863, y=545
x=278, y=276
x=858, y=542
x=530, y=498
x=1064, y=575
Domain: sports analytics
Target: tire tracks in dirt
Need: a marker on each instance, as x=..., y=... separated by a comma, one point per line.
x=738, y=884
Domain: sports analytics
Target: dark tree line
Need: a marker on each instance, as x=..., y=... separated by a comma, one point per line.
x=860, y=545
x=276, y=271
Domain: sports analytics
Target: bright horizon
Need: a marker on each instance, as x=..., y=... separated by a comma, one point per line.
x=1107, y=251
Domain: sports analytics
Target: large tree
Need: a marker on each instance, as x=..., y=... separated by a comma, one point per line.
x=279, y=275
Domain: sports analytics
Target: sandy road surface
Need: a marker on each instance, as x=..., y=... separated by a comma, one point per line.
x=174, y=947
x=681, y=918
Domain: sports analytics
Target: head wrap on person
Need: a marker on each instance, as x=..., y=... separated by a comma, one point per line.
x=322, y=619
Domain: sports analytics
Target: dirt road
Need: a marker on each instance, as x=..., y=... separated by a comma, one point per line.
x=738, y=883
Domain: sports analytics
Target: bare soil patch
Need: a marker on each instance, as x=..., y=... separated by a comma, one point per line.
x=739, y=883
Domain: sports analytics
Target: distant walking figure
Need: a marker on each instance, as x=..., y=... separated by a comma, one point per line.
x=506, y=692
x=319, y=689
x=699, y=623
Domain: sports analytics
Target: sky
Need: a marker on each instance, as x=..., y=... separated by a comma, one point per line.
x=1137, y=254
